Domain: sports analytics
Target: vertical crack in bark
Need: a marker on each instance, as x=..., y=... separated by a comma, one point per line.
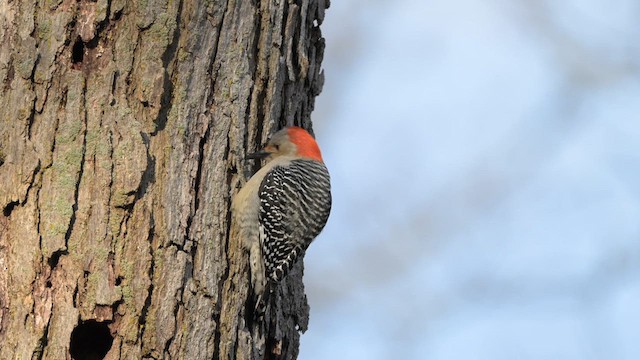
x=32, y=116
x=61, y=107
x=168, y=62
x=47, y=166
x=257, y=95
x=76, y=193
x=254, y=54
x=196, y=189
x=147, y=179
x=189, y=244
x=301, y=54
x=114, y=83
x=176, y=309
x=225, y=275
x=142, y=320
x=171, y=50
x=34, y=176
x=217, y=334
x=38, y=352
x=35, y=98
x=74, y=297
x=105, y=22
x=111, y=181
x=129, y=91
x=149, y=174
x=214, y=78
x=214, y=56
x=36, y=203
x=227, y=238
x=283, y=27
x=257, y=90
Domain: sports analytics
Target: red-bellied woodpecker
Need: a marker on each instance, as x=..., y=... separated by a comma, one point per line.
x=284, y=206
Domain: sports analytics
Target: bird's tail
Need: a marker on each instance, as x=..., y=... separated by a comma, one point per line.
x=262, y=302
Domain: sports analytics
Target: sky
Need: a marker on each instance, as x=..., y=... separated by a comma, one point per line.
x=485, y=162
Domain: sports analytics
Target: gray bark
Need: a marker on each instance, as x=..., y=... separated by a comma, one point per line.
x=123, y=129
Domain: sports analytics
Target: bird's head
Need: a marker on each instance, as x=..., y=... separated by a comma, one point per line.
x=291, y=141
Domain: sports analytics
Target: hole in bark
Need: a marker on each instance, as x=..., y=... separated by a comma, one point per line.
x=77, y=52
x=117, y=15
x=90, y=340
x=55, y=258
x=92, y=43
x=49, y=284
x=118, y=280
x=9, y=208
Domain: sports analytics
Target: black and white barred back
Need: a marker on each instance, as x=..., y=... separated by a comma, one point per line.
x=295, y=202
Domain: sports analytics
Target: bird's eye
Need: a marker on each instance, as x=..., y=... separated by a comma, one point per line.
x=277, y=147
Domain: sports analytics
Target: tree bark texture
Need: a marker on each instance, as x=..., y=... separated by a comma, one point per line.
x=124, y=126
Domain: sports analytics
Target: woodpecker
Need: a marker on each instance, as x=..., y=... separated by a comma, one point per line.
x=284, y=206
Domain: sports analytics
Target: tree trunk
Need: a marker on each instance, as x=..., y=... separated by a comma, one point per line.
x=124, y=126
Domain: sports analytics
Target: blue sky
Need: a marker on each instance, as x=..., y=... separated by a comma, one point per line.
x=485, y=160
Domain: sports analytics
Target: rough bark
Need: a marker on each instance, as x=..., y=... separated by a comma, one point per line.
x=123, y=129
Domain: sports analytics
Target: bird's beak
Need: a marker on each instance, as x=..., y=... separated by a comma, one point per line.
x=258, y=155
